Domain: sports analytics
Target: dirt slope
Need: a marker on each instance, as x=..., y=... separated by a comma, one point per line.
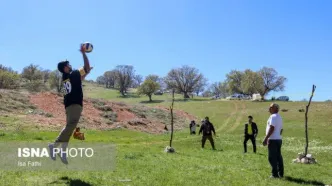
x=104, y=115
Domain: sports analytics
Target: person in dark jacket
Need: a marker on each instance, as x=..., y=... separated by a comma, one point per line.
x=207, y=129
x=250, y=133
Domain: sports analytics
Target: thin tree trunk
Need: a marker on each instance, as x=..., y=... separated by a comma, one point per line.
x=150, y=97
x=172, y=119
x=306, y=121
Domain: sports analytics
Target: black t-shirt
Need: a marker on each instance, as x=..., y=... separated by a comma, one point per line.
x=207, y=128
x=73, y=93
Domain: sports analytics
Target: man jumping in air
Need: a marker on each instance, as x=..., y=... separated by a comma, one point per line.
x=73, y=102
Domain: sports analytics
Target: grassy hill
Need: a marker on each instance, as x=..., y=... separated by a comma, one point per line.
x=141, y=161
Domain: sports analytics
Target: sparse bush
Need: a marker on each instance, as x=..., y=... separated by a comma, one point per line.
x=32, y=73
x=36, y=86
x=48, y=115
x=102, y=107
x=55, y=81
x=109, y=122
x=98, y=102
x=112, y=116
x=136, y=122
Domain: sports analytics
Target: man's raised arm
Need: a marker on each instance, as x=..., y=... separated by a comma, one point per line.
x=86, y=60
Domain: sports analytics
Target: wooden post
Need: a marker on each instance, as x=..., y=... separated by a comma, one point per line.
x=172, y=118
x=306, y=121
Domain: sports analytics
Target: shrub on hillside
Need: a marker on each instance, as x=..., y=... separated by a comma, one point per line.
x=36, y=86
x=8, y=80
x=55, y=81
x=32, y=73
x=112, y=116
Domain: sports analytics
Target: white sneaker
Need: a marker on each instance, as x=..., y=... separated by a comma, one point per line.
x=51, y=148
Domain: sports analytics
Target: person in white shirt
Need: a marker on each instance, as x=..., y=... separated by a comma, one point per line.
x=192, y=127
x=273, y=140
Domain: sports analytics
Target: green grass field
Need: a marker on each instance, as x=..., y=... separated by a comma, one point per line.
x=140, y=159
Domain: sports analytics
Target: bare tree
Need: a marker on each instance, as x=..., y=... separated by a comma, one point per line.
x=138, y=79
x=172, y=119
x=162, y=83
x=124, y=74
x=271, y=81
x=110, y=78
x=220, y=89
x=184, y=79
x=7, y=69
x=101, y=80
x=207, y=93
x=45, y=75
x=215, y=88
x=200, y=87
x=306, y=121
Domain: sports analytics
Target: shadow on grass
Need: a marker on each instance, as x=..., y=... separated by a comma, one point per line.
x=129, y=95
x=153, y=101
x=72, y=182
x=189, y=99
x=302, y=181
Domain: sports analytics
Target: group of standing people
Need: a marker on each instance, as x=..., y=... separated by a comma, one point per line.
x=272, y=139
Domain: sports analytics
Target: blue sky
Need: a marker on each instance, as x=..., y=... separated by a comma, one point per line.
x=215, y=36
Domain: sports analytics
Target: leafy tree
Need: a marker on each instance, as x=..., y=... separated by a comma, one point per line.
x=8, y=79
x=148, y=88
x=153, y=77
x=252, y=82
x=234, y=80
x=124, y=77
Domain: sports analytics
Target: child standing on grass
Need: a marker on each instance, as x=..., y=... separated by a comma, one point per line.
x=192, y=127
